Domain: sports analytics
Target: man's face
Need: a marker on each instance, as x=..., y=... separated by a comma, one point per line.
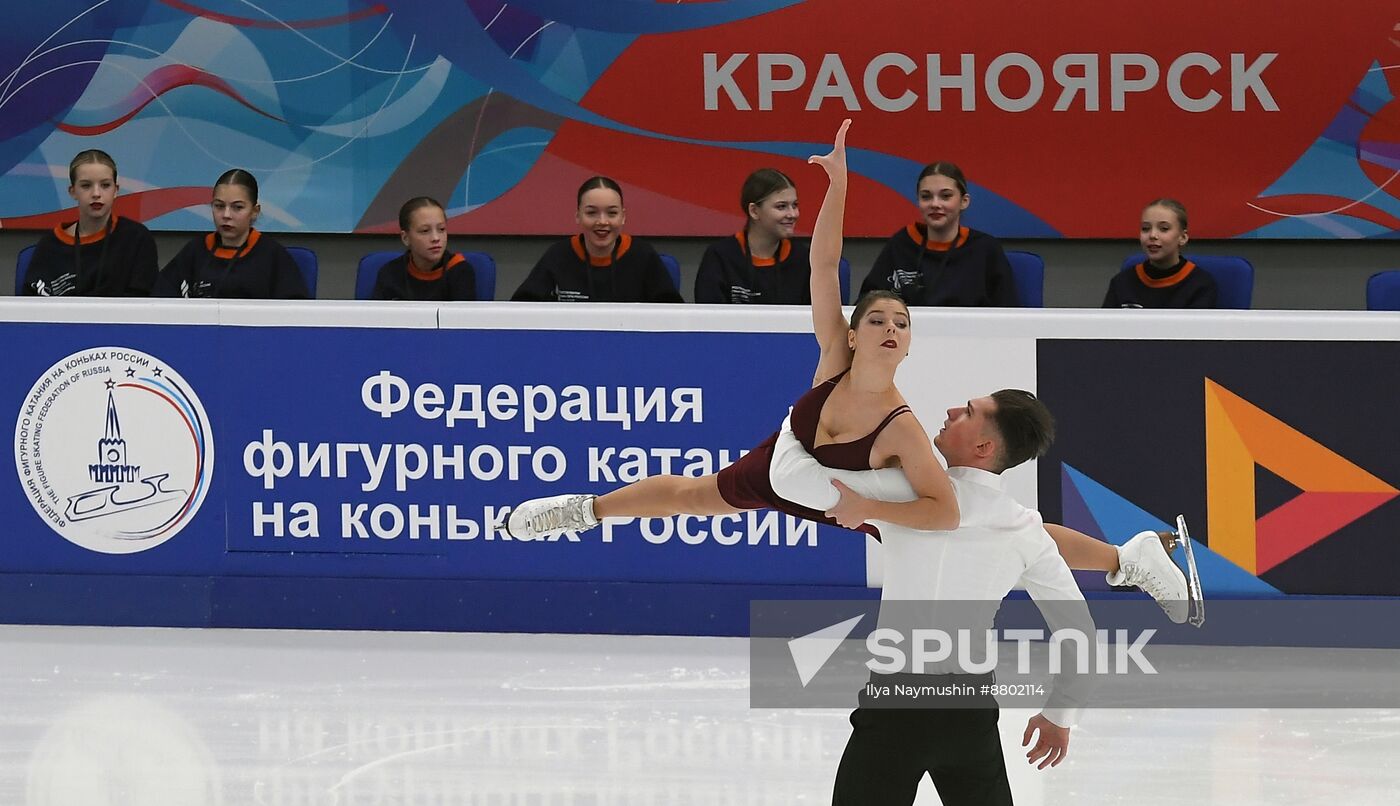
x=968, y=436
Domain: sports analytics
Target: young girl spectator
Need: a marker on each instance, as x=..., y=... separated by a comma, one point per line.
x=236, y=261
x=426, y=270
x=100, y=254
x=601, y=263
x=1165, y=279
x=936, y=260
x=760, y=264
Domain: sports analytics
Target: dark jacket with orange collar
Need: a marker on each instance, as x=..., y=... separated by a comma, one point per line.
x=730, y=274
x=970, y=271
x=566, y=273
x=260, y=269
x=119, y=261
x=1184, y=285
x=452, y=279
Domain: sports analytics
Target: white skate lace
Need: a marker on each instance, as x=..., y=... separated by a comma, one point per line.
x=1148, y=581
x=565, y=516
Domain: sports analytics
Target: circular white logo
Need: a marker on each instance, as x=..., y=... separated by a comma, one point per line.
x=114, y=450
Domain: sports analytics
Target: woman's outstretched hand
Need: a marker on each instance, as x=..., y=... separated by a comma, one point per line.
x=835, y=162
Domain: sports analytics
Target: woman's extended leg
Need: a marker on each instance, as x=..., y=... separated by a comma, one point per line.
x=1144, y=561
x=1082, y=552
x=652, y=497
x=663, y=496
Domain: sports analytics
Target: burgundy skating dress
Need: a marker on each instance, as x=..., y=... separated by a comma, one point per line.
x=745, y=483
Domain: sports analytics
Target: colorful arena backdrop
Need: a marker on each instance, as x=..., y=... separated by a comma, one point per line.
x=1269, y=121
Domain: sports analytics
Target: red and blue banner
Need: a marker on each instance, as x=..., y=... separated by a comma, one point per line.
x=1067, y=118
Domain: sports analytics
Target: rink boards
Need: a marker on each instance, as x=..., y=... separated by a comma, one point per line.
x=344, y=464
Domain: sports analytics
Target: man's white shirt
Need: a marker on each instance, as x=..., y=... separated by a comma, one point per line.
x=999, y=544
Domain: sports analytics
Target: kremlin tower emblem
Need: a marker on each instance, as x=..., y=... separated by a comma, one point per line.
x=148, y=434
x=111, y=451
x=117, y=476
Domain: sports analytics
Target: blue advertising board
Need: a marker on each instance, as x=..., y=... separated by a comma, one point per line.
x=331, y=455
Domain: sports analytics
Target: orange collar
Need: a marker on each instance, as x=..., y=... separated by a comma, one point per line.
x=784, y=249
x=60, y=232
x=918, y=233
x=211, y=242
x=433, y=273
x=1165, y=282
x=624, y=242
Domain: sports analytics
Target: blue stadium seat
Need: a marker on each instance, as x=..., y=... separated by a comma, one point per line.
x=483, y=267
x=308, y=265
x=1383, y=291
x=673, y=268
x=1234, y=277
x=1028, y=270
x=22, y=267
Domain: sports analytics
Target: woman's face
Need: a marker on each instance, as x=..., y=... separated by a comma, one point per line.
x=1161, y=236
x=941, y=203
x=882, y=332
x=600, y=219
x=426, y=236
x=776, y=215
x=234, y=214
x=94, y=191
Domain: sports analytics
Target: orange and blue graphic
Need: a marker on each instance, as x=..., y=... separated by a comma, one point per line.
x=1333, y=492
x=1278, y=453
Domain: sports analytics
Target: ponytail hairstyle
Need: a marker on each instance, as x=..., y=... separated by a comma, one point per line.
x=412, y=206
x=869, y=298
x=1175, y=206
x=92, y=155
x=596, y=182
x=238, y=176
x=760, y=185
x=948, y=169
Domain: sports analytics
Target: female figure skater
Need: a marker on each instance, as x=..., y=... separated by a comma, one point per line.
x=236, y=261
x=601, y=263
x=101, y=254
x=426, y=270
x=938, y=261
x=855, y=419
x=761, y=264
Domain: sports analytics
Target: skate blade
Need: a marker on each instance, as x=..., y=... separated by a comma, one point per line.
x=1197, y=599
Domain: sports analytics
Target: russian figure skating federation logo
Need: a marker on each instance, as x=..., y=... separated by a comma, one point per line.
x=114, y=450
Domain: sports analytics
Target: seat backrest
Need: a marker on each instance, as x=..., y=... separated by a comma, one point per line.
x=22, y=267
x=673, y=268
x=368, y=271
x=1383, y=291
x=483, y=268
x=308, y=265
x=1234, y=277
x=1028, y=271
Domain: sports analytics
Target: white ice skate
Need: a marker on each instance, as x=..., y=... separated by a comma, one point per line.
x=1144, y=562
x=551, y=517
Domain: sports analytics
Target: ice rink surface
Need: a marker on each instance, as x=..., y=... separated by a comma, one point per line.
x=101, y=716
